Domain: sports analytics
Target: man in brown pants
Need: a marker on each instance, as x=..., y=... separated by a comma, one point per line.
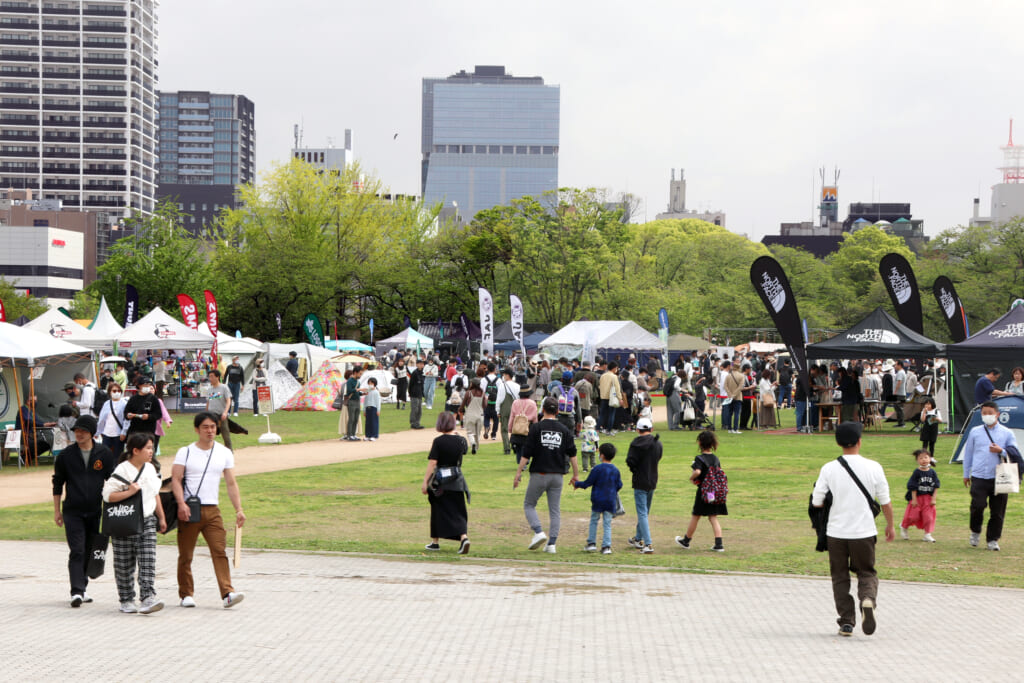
x=195, y=480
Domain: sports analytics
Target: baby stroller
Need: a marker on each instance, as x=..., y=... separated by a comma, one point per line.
x=692, y=417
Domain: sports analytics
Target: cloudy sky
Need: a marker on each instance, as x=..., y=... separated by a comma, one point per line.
x=910, y=99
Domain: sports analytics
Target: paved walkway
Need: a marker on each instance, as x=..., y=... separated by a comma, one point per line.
x=322, y=617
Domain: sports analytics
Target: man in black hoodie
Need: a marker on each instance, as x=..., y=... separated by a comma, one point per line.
x=642, y=460
x=80, y=471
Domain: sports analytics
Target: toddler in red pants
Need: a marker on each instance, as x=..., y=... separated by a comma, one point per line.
x=921, y=490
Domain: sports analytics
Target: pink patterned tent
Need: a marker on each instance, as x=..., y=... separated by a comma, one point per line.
x=319, y=391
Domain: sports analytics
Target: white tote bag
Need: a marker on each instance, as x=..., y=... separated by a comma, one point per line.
x=1007, y=478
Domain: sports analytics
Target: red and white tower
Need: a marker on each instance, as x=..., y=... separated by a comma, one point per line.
x=1013, y=160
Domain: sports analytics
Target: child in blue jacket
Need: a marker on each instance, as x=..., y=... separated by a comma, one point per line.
x=606, y=482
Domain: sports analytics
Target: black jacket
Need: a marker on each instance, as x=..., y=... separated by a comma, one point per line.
x=642, y=460
x=143, y=405
x=416, y=383
x=83, y=484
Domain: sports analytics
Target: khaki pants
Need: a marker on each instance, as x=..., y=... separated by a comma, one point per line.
x=211, y=526
x=856, y=555
x=225, y=433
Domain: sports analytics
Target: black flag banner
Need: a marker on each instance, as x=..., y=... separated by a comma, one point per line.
x=952, y=308
x=131, y=305
x=772, y=285
x=901, y=284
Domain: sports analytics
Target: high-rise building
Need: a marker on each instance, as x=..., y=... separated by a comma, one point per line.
x=488, y=137
x=207, y=149
x=78, y=103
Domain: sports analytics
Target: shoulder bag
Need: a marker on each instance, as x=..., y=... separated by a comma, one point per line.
x=124, y=518
x=872, y=503
x=195, y=505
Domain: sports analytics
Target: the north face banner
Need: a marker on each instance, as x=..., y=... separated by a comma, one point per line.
x=951, y=307
x=901, y=284
x=772, y=285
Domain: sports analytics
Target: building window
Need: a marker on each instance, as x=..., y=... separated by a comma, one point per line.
x=520, y=149
x=494, y=149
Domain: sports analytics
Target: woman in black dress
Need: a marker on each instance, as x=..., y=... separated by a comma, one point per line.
x=401, y=383
x=448, y=516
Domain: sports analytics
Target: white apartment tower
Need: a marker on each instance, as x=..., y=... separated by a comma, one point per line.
x=78, y=102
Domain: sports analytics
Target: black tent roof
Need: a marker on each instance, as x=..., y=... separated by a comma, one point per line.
x=1002, y=339
x=879, y=335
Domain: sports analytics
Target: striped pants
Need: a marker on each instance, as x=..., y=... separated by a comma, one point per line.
x=132, y=551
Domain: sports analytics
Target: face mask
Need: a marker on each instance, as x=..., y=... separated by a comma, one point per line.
x=989, y=420
x=115, y=395
x=145, y=390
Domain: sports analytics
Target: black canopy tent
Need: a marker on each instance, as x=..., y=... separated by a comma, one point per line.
x=1000, y=346
x=879, y=335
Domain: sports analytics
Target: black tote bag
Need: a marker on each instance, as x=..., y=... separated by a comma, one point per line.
x=124, y=518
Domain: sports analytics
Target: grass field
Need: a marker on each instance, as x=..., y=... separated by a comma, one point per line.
x=375, y=506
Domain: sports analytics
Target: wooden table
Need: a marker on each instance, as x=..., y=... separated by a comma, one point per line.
x=831, y=418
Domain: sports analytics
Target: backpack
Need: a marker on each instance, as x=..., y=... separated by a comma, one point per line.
x=520, y=425
x=566, y=402
x=99, y=397
x=714, y=488
x=492, y=391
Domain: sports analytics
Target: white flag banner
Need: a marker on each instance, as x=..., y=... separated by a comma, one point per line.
x=589, y=354
x=517, y=322
x=486, y=323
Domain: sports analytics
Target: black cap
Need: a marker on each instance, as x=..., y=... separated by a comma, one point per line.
x=143, y=380
x=86, y=422
x=848, y=433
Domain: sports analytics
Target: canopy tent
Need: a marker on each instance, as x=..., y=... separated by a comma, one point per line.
x=606, y=337
x=406, y=339
x=348, y=345
x=319, y=391
x=761, y=347
x=104, y=324
x=157, y=330
x=310, y=357
x=1000, y=346
x=531, y=342
x=879, y=335
x=1011, y=416
x=59, y=326
x=18, y=345
x=683, y=344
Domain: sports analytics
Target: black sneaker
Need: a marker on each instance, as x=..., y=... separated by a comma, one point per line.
x=432, y=546
x=636, y=543
x=683, y=542
x=590, y=548
x=867, y=616
x=846, y=630
x=474, y=449
x=464, y=547
x=718, y=549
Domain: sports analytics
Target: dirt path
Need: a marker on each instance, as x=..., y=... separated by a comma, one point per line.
x=33, y=486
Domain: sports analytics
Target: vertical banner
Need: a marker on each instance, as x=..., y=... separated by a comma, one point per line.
x=189, y=311
x=131, y=305
x=278, y=317
x=211, y=321
x=901, y=284
x=464, y=321
x=772, y=285
x=3, y=312
x=663, y=335
x=314, y=332
x=371, y=331
x=518, y=326
x=486, y=322
x=589, y=354
x=952, y=308
x=407, y=322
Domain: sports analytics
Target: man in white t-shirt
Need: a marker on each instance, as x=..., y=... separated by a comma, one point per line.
x=197, y=471
x=851, y=527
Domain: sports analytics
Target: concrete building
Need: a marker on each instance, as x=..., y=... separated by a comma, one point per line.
x=1007, y=196
x=822, y=240
x=677, y=204
x=207, y=149
x=330, y=158
x=78, y=105
x=488, y=137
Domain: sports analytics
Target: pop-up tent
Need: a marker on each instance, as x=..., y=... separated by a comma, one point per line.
x=1011, y=416
x=59, y=326
x=348, y=345
x=104, y=324
x=879, y=335
x=310, y=357
x=607, y=337
x=319, y=392
x=531, y=342
x=407, y=339
x=157, y=330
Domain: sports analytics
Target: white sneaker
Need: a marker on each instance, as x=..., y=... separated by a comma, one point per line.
x=151, y=605
x=235, y=415
x=86, y=598
x=188, y=601
x=233, y=599
x=973, y=540
x=129, y=607
x=590, y=548
x=539, y=539
x=993, y=545
x=928, y=538
x=551, y=549
x=903, y=533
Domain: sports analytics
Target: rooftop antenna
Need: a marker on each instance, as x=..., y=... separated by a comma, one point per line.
x=1013, y=160
x=297, y=132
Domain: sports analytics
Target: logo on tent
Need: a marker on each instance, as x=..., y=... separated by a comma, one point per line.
x=875, y=337
x=774, y=291
x=948, y=304
x=59, y=331
x=1004, y=416
x=1011, y=330
x=900, y=285
x=162, y=331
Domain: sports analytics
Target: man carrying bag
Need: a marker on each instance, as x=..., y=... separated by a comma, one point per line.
x=983, y=451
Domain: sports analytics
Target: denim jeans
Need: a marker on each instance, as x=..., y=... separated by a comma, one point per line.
x=801, y=414
x=731, y=415
x=606, y=542
x=429, y=388
x=607, y=415
x=785, y=394
x=236, y=392
x=643, y=507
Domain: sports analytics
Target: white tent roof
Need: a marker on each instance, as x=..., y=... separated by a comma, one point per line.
x=157, y=330
x=602, y=334
x=314, y=355
x=20, y=344
x=59, y=326
x=406, y=339
x=104, y=324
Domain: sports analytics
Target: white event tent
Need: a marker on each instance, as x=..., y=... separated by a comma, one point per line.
x=601, y=335
x=158, y=330
x=59, y=326
x=104, y=324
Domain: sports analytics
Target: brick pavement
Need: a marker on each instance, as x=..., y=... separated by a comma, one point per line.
x=321, y=617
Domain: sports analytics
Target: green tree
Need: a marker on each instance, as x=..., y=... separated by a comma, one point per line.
x=84, y=305
x=855, y=264
x=17, y=304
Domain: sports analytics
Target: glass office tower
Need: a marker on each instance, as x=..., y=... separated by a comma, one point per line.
x=488, y=137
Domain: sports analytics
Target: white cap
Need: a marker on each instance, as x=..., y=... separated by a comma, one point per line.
x=644, y=424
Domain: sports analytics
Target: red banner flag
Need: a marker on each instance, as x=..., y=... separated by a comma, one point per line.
x=189, y=312
x=211, y=320
x=3, y=313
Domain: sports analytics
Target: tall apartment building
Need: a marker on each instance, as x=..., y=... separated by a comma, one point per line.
x=207, y=149
x=78, y=103
x=488, y=137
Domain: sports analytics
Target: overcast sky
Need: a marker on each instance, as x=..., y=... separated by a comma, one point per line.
x=911, y=100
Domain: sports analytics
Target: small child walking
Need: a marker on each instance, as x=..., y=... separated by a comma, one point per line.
x=704, y=465
x=931, y=418
x=921, y=490
x=591, y=440
x=607, y=481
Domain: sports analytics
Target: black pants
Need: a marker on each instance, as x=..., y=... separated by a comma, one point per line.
x=856, y=555
x=983, y=492
x=78, y=529
x=491, y=419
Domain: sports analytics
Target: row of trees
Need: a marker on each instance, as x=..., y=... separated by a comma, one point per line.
x=306, y=242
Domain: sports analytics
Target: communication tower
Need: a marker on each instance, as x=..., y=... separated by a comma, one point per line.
x=1013, y=160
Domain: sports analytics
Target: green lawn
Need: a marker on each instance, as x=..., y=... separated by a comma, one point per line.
x=376, y=506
